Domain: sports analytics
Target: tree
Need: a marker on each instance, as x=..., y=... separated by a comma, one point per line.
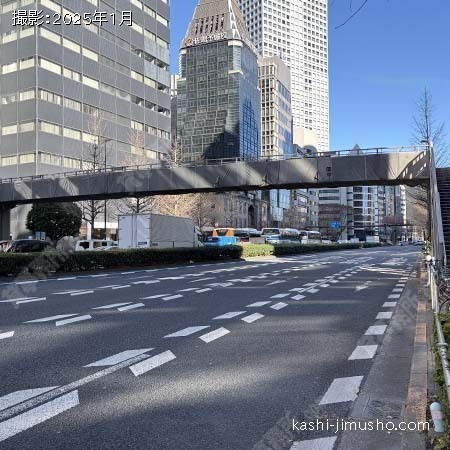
x=55, y=219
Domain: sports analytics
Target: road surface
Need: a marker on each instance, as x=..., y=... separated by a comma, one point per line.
x=202, y=356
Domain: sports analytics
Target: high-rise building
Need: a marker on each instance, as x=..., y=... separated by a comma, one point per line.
x=96, y=86
x=297, y=31
x=218, y=102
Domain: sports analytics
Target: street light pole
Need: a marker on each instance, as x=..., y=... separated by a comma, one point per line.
x=104, y=206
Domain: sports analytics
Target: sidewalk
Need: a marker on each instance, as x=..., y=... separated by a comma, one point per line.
x=396, y=388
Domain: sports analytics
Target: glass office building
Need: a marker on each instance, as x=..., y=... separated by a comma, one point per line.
x=218, y=102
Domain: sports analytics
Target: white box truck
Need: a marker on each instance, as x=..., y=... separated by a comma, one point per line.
x=156, y=231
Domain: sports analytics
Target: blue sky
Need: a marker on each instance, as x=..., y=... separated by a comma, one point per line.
x=380, y=63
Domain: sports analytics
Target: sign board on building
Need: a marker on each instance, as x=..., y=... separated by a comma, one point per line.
x=205, y=39
x=336, y=224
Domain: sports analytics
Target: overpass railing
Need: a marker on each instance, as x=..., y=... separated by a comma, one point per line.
x=167, y=164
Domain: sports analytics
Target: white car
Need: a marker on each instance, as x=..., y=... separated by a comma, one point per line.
x=94, y=244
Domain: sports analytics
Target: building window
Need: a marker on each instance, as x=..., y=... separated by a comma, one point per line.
x=9, y=129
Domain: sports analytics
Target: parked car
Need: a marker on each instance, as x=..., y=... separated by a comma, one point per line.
x=28, y=246
x=420, y=242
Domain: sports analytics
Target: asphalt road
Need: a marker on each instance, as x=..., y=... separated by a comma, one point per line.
x=113, y=360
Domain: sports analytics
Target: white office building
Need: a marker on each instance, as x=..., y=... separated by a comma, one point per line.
x=297, y=31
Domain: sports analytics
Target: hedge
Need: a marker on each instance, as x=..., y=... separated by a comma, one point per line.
x=49, y=262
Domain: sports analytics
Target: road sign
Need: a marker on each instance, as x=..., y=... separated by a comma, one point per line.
x=336, y=224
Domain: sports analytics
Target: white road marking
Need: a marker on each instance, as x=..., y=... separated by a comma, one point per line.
x=27, y=282
x=229, y=315
x=66, y=278
x=312, y=291
x=172, y=278
x=315, y=444
x=342, y=390
x=68, y=292
x=364, y=352
x=252, y=317
x=31, y=300
x=108, y=286
x=279, y=305
x=384, y=315
x=73, y=320
x=199, y=291
x=121, y=287
x=118, y=357
x=81, y=293
x=393, y=296
x=297, y=290
x=16, y=299
x=389, y=304
x=133, y=306
x=281, y=295
x=213, y=335
x=14, y=398
x=309, y=284
x=298, y=297
x=397, y=290
x=38, y=415
x=155, y=296
x=172, y=297
x=145, y=282
x=375, y=330
x=276, y=282
x=151, y=363
x=186, y=331
x=112, y=305
x=257, y=304
x=334, y=281
x=325, y=285
x=49, y=319
x=100, y=275
x=7, y=334
x=202, y=279
x=341, y=278
x=187, y=290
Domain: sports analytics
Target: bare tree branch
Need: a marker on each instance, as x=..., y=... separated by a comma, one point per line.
x=357, y=11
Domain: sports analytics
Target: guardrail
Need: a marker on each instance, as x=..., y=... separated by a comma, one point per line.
x=166, y=164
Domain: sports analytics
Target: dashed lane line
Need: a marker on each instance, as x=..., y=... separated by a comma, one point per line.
x=252, y=317
x=187, y=331
x=112, y=305
x=51, y=318
x=279, y=306
x=363, y=352
x=342, y=390
x=326, y=443
x=172, y=297
x=129, y=307
x=155, y=296
x=375, y=330
x=31, y=300
x=7, y=334
x=213, y=335
x=118, y=358
x=121, y=287
x=230, y=315
x=258, y=304
x=384, y=315
x=59, y=323
x=280, y=295
x=81, y=293
x=152, y=363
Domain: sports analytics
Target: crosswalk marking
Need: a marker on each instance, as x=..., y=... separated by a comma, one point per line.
x=14, y=398
x=200, y=291
x=280, y=295
x=312, y=291
x=152, y=363
x=393, y=296
x=213, y=335
x=298, y=297
x=342, y=390
x=279, y=305
x=258, y=304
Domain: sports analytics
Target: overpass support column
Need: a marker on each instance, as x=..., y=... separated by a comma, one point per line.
x=5, y=222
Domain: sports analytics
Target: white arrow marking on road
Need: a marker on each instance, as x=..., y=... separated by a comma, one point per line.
x=279, y=305
x=213, y=335
x=298, y=297
x=151, y=363
x=73, y=320
x=6, y=335
x=38, y=415
x=375, y=330
x=186, y=331
x=252, y=317
x=118, y=358
x=342, y=390
x=315, y=444
x=229, y=315
x=112, y=305
x=49, y=319
x=257, y=304
x=133, y=306
x=172, y=297
x=14, y=398
x=384, y=315
x=363, y=352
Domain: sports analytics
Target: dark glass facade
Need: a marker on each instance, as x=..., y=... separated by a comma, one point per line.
x=218, y=102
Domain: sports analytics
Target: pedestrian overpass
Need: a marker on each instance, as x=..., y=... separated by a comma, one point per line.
x=332, y=169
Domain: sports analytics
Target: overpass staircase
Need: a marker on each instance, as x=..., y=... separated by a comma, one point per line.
x=443, y=185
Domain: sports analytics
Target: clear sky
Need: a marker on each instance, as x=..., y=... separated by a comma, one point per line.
x=380, y=63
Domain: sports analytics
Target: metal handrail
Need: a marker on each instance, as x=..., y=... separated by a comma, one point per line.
x=166, y=164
